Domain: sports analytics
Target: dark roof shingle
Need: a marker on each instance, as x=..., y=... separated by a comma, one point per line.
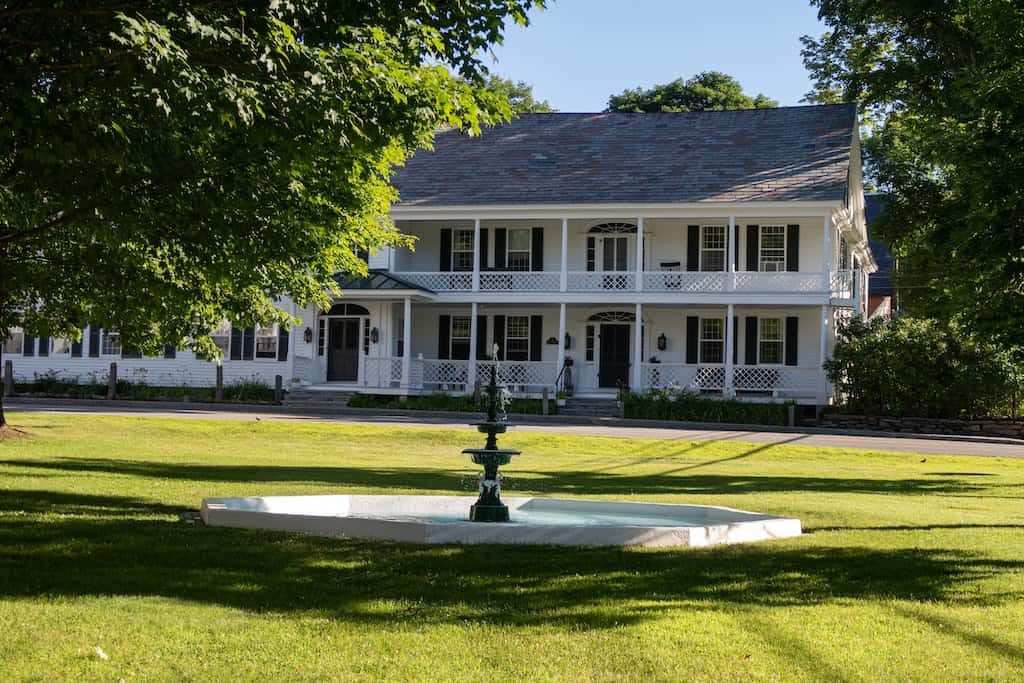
x=784, y=154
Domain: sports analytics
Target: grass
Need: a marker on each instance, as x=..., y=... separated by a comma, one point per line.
x=913, y=567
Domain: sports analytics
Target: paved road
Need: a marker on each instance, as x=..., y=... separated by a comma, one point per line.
x=938, y=445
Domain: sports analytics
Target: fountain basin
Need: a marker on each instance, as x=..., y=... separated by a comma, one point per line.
x=535, y=521
x=485, y=456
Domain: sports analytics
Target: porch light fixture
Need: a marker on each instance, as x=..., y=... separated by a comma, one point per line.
x=374, y=335
x=662, y=342
x=307, y=335
x=568, y=341
x=552, y=340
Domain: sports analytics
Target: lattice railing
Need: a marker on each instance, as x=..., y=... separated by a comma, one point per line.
x=382, y=372
x=684, y=281
x=749, y=281
x=665, y=375
x=779, y=379
x=444, y=375
x=593, y=281
x=520, y=281
x=440, y=281
x=842, y=284
x=518, y=375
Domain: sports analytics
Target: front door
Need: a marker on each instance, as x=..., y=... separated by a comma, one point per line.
x=613, y=368
x=343, y=350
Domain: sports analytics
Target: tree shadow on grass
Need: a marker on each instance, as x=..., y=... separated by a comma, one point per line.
x=391, y=583
x=674, y=481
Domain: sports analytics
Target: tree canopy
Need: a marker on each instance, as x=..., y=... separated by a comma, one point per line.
x=518, y=94
x=707, y=91
x=942, y=87
x=167, y=165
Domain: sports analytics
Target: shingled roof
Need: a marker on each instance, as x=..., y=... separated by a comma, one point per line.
x=784, y=154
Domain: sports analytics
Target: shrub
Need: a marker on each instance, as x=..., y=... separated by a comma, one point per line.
x=676, y=404
x=915, y=367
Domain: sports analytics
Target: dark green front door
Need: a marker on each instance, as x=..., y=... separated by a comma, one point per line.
x=343, y=350
x=613, y=368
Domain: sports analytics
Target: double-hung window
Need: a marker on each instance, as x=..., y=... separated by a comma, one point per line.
x=616, y=253
x=266, y=341
x=59, y=346
x=111, y=345
x=14, y=345
x=460, y=337
x=772, y=258
x=712, y=340
x=770, y=341
x=712, y=247
x=221, y=336
x=517, y=337
x=518, y=253
x=462, y=250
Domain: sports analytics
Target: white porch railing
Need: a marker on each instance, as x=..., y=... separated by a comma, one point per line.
x=383, y=372
x=595, y=281
x=749, y=281
x=441, y=375
x=684, y=281
x=520, y=281
x=778, y=380
x=441, y=281
x=842, y=284
x=519, y=376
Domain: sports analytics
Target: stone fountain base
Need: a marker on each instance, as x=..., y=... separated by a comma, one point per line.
x=539, y=521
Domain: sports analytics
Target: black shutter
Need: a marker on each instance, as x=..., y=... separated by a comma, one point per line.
x=693, y=247
x=537, y=249
x=736, y=247
x=792, y=248
x=735, y=340
x=44, y=347
x=792, y=334
x=481, y=337
x=692, y=325
x=28, y=346
x=536, y=337
x=236, y=343
x=170, y=351
x=750, y=345
x=499, y=334
x=249, y=343
x=500, y=242
x=591, y=254
x=483, y=248
x=94, y=341
x=76, y=347
x=282, y=342
x=446, y=249
x=444, y=334
x=753, y=247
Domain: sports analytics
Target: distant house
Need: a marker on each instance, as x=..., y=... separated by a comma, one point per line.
x=881, y=294
x=713, y=251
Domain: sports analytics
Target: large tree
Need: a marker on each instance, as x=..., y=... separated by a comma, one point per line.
x=518, y=94
x=167, y=165
x=942, y=87
x=707, y=91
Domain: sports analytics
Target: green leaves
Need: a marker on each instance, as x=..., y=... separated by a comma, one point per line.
x=707, y=91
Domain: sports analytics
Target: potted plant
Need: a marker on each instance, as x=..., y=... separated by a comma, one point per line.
x=561, y=397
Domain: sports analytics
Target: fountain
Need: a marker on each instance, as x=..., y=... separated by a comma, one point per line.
x=488, y=507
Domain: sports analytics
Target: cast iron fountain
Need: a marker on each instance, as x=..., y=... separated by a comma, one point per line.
x=488, y=507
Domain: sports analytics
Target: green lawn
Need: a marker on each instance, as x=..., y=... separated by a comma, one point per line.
x=912, y=567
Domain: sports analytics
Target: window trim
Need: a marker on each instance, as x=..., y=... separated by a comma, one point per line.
x=470, y=250
x=781, y=341
x=21, y=344
x=105, y=335
x=52, y=350
x=452, y=338
x=226, y=349
x=761, y=248
x=701, y=340
x=723, y=249
x=615, y=237
x=528, y=251
x=256, y=337
x=509, y=337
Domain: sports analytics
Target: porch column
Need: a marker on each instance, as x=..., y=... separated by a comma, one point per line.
x=563, y=281
x=561, y=342
x=730, y=334
x=823, y=355
x=471, y=370
x=407, y=343
x=638, y=358
x=476, y=254
x=730, y=239
x=639, y=255
x=826, y=256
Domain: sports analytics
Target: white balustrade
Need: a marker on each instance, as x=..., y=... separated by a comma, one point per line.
x=519, y=376
x=384, y=372
x=596, y=281
x=443, y=375
x=777, y=380
x=454, y=281
x=842, y=284
x=684, y=281
x=520, y=281
x=783, y=282
x=665, y=375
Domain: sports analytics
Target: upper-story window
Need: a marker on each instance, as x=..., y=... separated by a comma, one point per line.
x=517, y=337
x=712, y=340
x=518, y=252
x=459, y=339
x=462, y=250
x=712, y=247
x=15, y=342
x=772, y=258
x=616, y=253
x=770, y=346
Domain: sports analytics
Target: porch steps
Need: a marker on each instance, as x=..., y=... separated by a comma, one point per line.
x=589, y=407
x=317, y=400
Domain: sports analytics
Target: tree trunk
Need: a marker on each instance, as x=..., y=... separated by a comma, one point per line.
x=3, y=418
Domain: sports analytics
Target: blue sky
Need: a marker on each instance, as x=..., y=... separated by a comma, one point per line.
x=578, y=52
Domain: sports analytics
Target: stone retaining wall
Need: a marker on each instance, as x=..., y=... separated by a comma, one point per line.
x=923, y=425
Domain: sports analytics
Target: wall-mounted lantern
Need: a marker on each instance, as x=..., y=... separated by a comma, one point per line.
x=662, y=342
x=307, y=335
x=568, y=341
x=374, y=335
